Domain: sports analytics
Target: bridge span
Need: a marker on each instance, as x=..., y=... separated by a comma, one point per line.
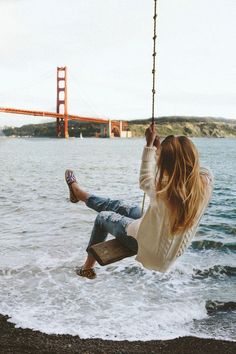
x=108, y=127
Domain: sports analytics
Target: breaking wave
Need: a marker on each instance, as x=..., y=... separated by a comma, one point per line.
x=216, y=271
x=209, y=244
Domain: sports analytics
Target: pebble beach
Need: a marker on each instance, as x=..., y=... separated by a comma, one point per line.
x=25, y=341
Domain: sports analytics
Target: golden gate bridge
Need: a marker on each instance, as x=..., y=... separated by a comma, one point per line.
x=108, y=127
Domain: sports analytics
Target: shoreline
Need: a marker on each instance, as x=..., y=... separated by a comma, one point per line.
x=99, y=138
x=26, y=341
x=176, y=125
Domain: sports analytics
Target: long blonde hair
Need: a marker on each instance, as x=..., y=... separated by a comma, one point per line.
x=179, y=182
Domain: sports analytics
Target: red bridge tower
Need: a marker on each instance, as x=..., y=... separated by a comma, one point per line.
x=62, y=123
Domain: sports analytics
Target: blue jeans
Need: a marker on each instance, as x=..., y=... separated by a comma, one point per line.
x=114, y=217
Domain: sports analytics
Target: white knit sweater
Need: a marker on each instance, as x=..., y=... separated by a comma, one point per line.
x=156, y=248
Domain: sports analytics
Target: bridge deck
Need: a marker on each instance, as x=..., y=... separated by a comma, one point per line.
x=53, y=115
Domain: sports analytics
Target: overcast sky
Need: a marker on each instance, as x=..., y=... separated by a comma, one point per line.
x=107, y=47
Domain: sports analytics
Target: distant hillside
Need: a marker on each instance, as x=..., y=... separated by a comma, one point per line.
x=49, y=130
x=191, y=126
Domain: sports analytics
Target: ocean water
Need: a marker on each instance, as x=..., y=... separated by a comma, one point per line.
x=43, y=237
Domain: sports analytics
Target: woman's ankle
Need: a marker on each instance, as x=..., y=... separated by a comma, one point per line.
x=89, y=263
x=79, y=193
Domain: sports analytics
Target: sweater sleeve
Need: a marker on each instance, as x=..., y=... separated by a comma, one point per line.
x=148, y=170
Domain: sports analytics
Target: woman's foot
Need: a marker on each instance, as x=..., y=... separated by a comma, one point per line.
x=86, y=273
x=70, y=179
x=87, y=269
x=76, y=193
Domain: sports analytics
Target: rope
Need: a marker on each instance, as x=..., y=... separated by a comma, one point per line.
x=154, y=60
x=154, y=54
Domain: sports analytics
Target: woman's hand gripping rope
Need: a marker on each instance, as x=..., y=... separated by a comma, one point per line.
x=152, y=139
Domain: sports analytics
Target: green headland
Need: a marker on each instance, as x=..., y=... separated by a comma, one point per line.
x=190, y=126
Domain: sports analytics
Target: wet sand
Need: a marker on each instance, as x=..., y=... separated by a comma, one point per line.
x=25, y=341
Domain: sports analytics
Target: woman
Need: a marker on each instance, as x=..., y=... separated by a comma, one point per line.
x=179, y=191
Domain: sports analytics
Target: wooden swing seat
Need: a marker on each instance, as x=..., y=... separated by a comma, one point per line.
x=109, y=252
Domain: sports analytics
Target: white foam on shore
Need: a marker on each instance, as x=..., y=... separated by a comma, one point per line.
x=118, y=305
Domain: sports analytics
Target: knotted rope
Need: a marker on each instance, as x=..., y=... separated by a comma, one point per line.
x=154, y=54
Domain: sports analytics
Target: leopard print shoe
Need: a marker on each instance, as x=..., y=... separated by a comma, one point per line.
x=86, y=273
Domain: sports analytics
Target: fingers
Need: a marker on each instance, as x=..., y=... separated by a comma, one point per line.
x=157, y=142
x=151, y=128
x=150, y=134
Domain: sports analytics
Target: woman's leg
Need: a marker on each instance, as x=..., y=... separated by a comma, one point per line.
x=106, y=204
x=114, y=216
x=115, y=224
x=99, y=203
x=118, y=206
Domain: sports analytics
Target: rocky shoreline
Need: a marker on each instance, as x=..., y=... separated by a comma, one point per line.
x=26, y=341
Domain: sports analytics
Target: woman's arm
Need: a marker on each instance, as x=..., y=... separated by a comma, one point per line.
x=148, y=170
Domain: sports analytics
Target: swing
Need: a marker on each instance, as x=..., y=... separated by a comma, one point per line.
x=113, y=251
x=109, y=252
